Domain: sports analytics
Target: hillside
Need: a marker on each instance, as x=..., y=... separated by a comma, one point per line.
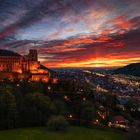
x=131, y=69
x=78, y=133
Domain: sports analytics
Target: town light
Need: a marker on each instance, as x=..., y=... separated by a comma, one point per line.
x=109, y=124
x=84, y=99
x=70, y=116
x=97, y=121
x=66, y=98
x=17, y=85
x=49, y=87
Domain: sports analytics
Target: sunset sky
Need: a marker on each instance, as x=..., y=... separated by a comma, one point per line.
x=73, y=33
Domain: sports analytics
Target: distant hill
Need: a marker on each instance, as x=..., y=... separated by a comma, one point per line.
x=131, y=69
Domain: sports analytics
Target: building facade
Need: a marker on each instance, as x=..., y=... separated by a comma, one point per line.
x=15, y=66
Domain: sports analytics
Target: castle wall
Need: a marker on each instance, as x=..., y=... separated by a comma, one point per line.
x=10, y=63
x=40, y=77
x=13, y=76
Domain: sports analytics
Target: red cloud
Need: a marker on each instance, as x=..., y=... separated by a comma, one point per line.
x=8, y=31
x=116, y=44
x=122, y=23
x=70, y=45
x=81, y=40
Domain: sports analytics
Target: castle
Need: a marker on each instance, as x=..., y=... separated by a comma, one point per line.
x=15, y=66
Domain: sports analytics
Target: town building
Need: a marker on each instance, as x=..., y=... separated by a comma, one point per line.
x=119, y=122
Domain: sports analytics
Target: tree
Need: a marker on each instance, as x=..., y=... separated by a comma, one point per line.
x=60, y=107
x=33, y=87
x=8, y=108
x=42, y=103
x=57, y=123
x=88, y=112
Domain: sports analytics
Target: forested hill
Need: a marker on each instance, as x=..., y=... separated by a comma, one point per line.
x=131, y=69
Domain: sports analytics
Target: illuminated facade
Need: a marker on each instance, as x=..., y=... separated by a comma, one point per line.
x=16, y=66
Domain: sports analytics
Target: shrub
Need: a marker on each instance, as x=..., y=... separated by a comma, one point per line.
x=57, y=123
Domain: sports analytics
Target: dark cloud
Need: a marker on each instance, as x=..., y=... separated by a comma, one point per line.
x=35, y=11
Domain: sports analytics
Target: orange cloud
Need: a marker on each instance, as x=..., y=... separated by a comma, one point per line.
x=117, y=44
x=81, y=40
x=62, y=32
x=55, y=35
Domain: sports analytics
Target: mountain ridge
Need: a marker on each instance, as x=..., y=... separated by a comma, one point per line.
x=131, y=69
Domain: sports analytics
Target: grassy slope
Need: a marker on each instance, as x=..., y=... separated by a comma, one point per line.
x=75, y=133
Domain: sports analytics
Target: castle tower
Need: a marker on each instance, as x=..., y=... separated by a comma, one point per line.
x=33, y=62
x=33, y=56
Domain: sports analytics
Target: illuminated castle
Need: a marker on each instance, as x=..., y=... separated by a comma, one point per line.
x=15, y=66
